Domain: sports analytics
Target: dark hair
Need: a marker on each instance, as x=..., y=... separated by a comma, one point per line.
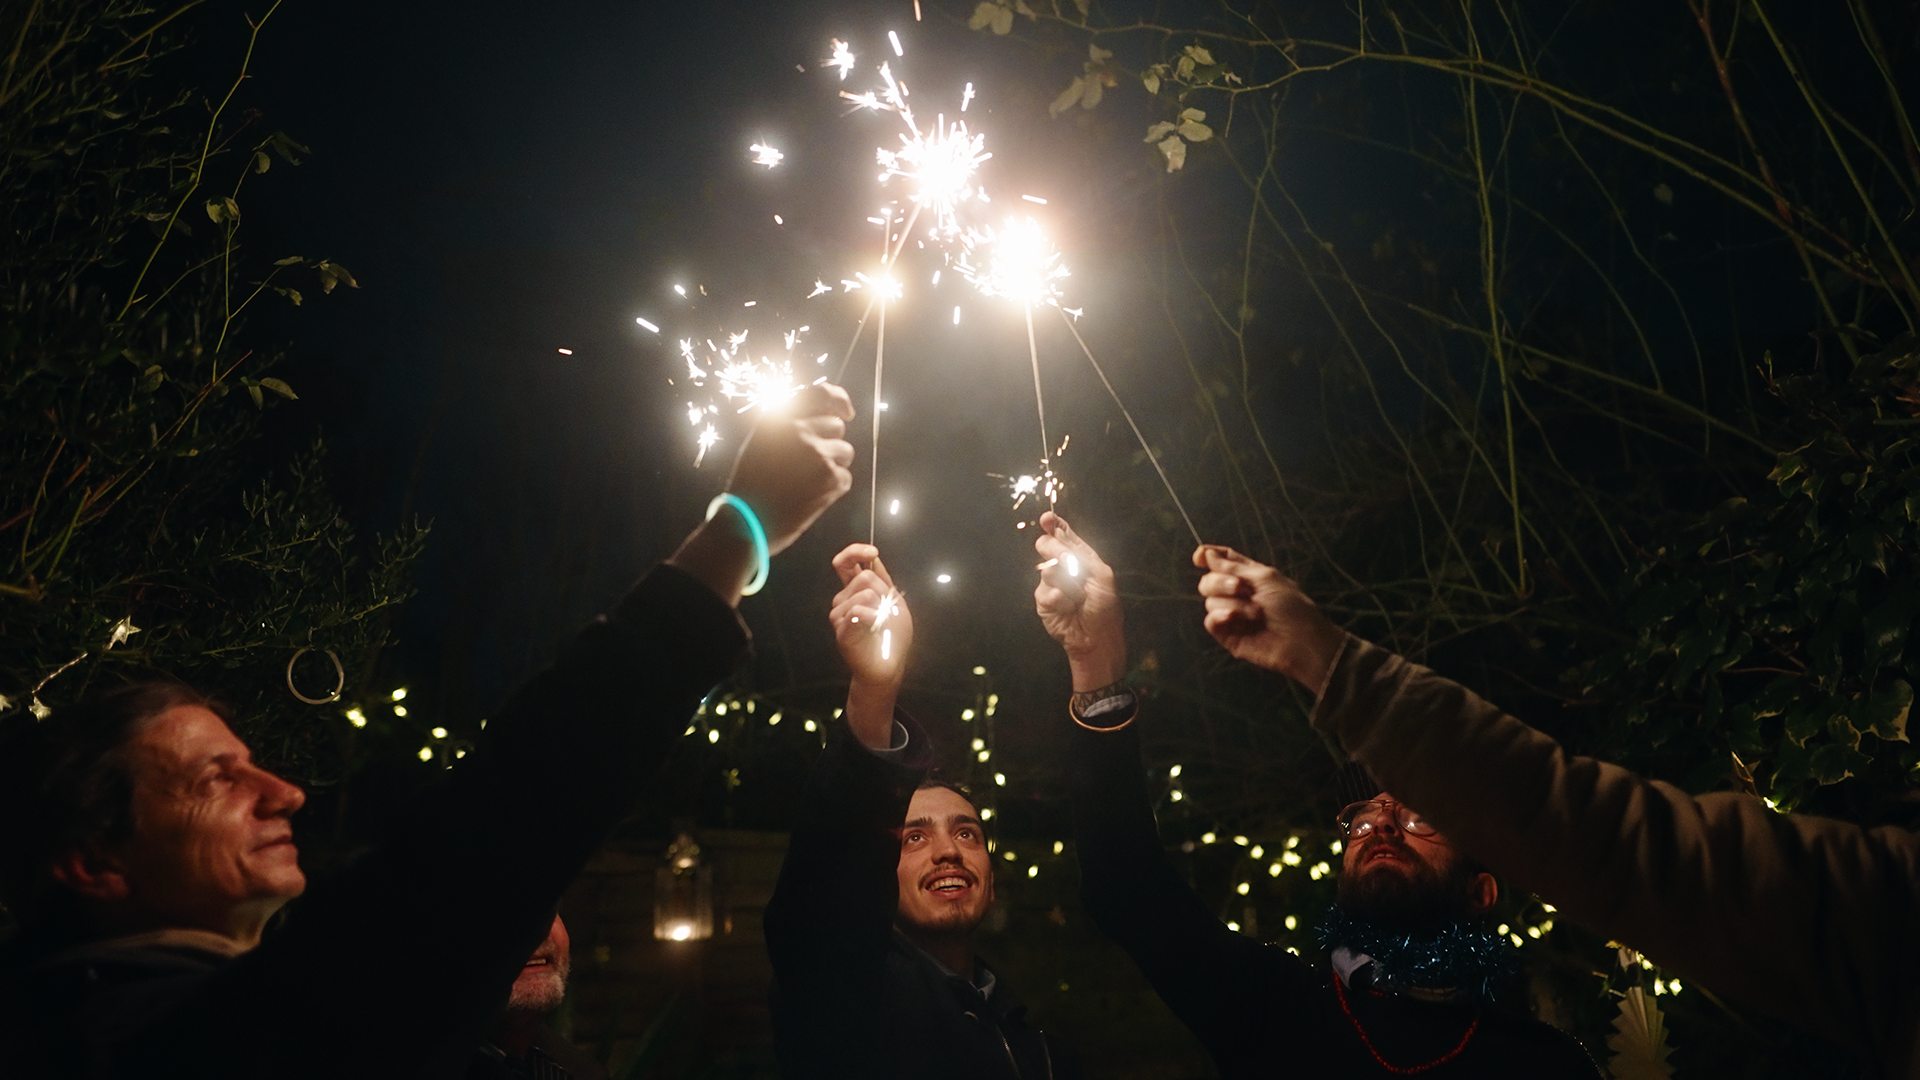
x=67, y=782
x=930, y=782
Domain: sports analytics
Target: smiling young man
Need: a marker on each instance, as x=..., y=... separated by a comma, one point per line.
x=1410, y=963
x=871, y=927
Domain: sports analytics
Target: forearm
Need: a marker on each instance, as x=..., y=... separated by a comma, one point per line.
x=1694, y=882
x=869, y=713
x=720, y=555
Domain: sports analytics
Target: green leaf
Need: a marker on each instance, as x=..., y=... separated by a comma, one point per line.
x=253, y=391
x=288, y=261
x=332, y=273
x=1884, y=712
x=287, y=148
x=281, y=388
x=1833, y=763
x=261, y=162
x=151, y=378
x=291, y=294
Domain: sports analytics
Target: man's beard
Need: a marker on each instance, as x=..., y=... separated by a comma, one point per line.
x=1420, y=901
x=545, y=994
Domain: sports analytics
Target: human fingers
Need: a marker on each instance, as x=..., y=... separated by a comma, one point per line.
x=825, y=399
x=852, y=559
x=1214, y=583
x=880, y=571
x=1219, y=557
x=1231, y=618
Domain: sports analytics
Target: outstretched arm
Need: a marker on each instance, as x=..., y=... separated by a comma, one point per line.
x=397, y=965
x=1801, y=917
x=830, y=924
x=1129, y=885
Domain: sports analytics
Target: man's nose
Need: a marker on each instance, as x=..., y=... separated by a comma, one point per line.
x=278, y=798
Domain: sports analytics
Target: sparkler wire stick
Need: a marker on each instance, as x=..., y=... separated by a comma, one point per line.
x=873, y=454
x=1136, y=427
x=840, y=376
x=1039, y=402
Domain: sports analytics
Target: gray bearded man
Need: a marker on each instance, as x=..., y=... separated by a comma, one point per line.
x=519, y=1045
x=1410, y=966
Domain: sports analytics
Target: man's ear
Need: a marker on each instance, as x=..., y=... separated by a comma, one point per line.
x=92, y=875
x=1484, y=891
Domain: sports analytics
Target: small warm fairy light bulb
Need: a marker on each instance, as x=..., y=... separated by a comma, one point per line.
x=1234, y=926
x=1293, y=923
x=1240, y=840
x=1000, y=779
x=1174, y=772
x=979, y=744
x=426, y=753
x=1059, y=846
x=1009, y=856
x=1336, y=847
x=811, y=726
x=979, y=671
x=1243, y=888
x=1207, y=838
x=1292, y=842
x=1033, y=871
x=356, y=717
x=439, y=733
x=400, y=694
x=399, y=710
x=1257, y=851
x=774, y=719
x=1176, y=796
x=966, y=714
x=720, y=709
x=986, y=813
x=1274, y=870
x=984, y=754
x=713, y=735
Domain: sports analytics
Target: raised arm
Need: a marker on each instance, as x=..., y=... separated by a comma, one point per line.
x=1797, y=916
x=830, y=923
x=396, y=966
x=1128, y=883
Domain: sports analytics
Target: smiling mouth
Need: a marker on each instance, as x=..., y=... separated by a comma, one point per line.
x=949, y=884
x=539, y=961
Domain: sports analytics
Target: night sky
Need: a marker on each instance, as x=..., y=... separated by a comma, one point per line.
x=506, y=181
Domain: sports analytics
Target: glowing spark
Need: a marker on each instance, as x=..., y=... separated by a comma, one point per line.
x=648, y=325
x=885, y=285
x=564, y=352
x=938, y=163
x=681, y=289
x=944, y=579
x=893, y=507
x=1048, y=565
x=936, y=277
x=886, y=644
x=707, y=439
x=894, y=40
x=1020, y=263
x=694, y=413
x=1073, y=565
x=956, y=315
x=1035, y=199
x=842, y=58
x=750, y=303
x=916, y=10
x=966, y=97
x=777, y=220
x=818, y=288
x=766, y=155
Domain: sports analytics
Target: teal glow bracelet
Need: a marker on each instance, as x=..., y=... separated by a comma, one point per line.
x=762, y=557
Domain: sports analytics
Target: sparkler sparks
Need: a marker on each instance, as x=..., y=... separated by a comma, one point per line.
x=737, y=375
x=766, y=155
x=1016, y=261
x=842, y=58
x=939, y=163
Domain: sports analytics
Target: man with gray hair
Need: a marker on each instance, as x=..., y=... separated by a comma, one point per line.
x=519, y=1045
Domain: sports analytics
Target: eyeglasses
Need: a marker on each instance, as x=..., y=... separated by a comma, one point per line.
x=1361, y=818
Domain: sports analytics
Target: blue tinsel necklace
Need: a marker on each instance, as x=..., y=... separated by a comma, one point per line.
x=1459, y=956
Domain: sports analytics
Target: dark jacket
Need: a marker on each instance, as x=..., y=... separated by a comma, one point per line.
x=1259, y=1010
x=394, y=967
x=1805, y=918
x=550, y=1057
x=852, y=998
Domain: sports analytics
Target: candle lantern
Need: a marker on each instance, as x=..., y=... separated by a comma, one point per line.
x=683, y=894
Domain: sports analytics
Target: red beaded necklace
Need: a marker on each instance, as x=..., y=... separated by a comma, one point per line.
x=1340, y=991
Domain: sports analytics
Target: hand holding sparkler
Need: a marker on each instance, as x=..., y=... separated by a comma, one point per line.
x=795, y=464
x=1079, y=605
x=874, y=629
x=1262, y=616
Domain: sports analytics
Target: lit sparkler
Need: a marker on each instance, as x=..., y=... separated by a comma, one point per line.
x=766, y=155
x=737, y=375
x=842, y=58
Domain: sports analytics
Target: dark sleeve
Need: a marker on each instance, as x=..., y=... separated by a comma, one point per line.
x=395, y=967
x=1805, y=918
x=830, y=923
x=1222, y=984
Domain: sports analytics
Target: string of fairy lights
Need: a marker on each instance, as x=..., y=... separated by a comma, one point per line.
x=1290, y=874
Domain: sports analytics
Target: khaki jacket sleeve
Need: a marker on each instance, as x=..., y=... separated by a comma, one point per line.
x=1809, y=919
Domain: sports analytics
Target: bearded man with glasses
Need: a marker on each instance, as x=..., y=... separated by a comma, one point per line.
x=1410, y=967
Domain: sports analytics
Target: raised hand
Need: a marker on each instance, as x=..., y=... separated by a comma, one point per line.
x=874, y=629
x=1262, y=617
x=874, y=646
x=1079, y=605
x=796, y=463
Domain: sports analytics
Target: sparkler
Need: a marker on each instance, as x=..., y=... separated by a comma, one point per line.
x=1018, y=262
x=766, y=155
x=736, y=374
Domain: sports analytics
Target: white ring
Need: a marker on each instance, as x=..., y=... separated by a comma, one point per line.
x=339, y=684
